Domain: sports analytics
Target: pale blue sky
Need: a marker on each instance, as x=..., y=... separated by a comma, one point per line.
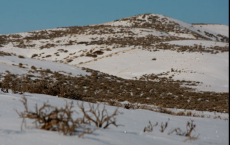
x=29, y=15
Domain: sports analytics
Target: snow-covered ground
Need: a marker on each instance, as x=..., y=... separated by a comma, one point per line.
x=215, y=28
x=6, y=63
x=126, y=62
x=208, y=68
x=211, y=131
x=130, y=62
x=198, y=42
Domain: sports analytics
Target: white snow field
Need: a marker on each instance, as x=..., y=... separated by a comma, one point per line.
x=211, y=131
x=10, y=63
x=208, y=68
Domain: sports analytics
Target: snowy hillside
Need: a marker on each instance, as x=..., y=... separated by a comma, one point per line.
x=12, y=64
x=194, y=66
x=215, y=28
x=151, y=66
x=171, y=26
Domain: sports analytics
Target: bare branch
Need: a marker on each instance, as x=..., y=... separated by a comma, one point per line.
x=100, y=118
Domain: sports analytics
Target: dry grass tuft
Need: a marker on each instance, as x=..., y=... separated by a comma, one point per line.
x=164, y=126
x=149, y=128
x=190, y=126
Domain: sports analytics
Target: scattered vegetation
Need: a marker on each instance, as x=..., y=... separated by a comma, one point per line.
x=48, y=117
x=52, y=118
x=2, y=53
x=190, y=126
x=149, y=128
x=146, y=21
x=100, y=87
x=153, y=89
x=186, y=48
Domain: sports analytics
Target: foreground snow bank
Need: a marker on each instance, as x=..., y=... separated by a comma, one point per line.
x=212, y=131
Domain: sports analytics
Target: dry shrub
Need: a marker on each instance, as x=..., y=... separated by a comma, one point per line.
x=181, y=113
x=69, y=60
x=34, y=55
x=98, y=52
x=51, y=118
x=163, y=110
x=164, y=126
x=189, y=113
x=112, y=102
x=20, y=65
x=196, y=115
x=33, y=67
x=149, y=128
x=2, y=53
x=100, y=118
x=127, y=106
x=20, y=56
x=190, y=126
x=217, y=117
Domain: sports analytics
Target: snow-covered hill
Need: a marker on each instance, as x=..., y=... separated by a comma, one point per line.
x=81, y=45
x=151, y=62
x=171, y=26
